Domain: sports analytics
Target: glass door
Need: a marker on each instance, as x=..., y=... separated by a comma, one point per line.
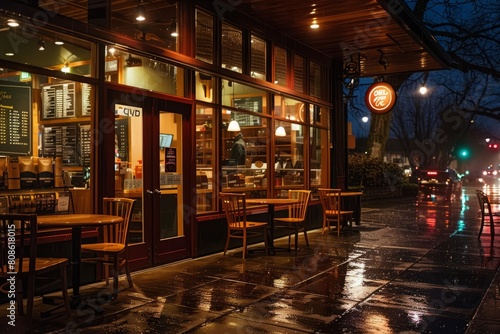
x=149, y=160
x=171, y=236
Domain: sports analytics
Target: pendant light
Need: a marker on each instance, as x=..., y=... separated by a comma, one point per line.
x=141, y=16
x=233, y=126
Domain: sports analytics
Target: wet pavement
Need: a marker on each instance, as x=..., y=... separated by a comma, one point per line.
x=408, y=268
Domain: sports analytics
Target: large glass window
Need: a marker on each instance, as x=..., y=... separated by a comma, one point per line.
x=298, y=73
x=280, y=66
x=291, y=109
x=204, y=37
x=159, y=26
x=289, y=157
x=319, y=115
x=319, y=148
x=316, y=80
x=241, y=96
x=45, y=134
x=232, y=48
x=258, y=58
x=143, y=72
x=244, y=153
x=27, y=44
x=205, y=159
x=204, y=87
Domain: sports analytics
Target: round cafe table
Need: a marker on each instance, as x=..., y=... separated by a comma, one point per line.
x=76, y=222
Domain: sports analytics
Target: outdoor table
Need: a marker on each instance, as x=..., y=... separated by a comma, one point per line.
x=76, y=222
x=271, y=202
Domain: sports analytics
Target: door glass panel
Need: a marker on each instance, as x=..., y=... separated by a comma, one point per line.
x=128, y=164
x=170, y=169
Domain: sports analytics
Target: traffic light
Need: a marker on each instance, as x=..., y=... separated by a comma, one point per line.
x=463, y=153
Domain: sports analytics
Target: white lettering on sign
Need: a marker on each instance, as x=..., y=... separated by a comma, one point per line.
x=380, y=98
x=129, y=111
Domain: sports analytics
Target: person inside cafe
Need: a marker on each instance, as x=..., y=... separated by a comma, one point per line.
x=238, y=150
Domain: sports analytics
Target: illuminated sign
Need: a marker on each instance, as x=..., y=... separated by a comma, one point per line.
x=129, y=111
x=380, y=98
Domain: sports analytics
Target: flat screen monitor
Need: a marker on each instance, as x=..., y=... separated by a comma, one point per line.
x=166, y=140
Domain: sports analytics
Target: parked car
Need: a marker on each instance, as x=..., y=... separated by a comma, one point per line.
x=435, y=184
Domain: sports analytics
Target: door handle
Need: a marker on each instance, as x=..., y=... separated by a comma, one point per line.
x=149, y=192
x=157, y=192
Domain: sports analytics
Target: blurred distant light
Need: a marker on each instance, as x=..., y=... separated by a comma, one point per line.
x=423, y=90
x=364, y=119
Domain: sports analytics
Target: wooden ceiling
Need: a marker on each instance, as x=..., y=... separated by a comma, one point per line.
x=352, y=29
x=361, y=32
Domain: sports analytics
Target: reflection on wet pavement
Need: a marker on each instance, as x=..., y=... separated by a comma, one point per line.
x=408, y=268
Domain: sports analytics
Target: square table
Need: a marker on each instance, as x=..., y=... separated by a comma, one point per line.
x=271, y=202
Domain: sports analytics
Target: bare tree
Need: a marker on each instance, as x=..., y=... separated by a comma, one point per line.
x=468, y=30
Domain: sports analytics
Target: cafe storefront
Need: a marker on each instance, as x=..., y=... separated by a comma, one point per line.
x=89, y=118
x=95, y=104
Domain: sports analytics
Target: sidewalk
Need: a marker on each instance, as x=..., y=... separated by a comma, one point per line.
x=407, y=269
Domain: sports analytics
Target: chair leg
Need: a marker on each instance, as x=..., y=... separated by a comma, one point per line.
x=115, y=276
x=296, y=238
x=227, y=242
x=481, y=228
x=127, y=272
x=305, y=236
x=64, y=288
x=106, y=269
x=289, y=237
x=492, y=228
x=265, y=240
x=326, y=225
x=244, y=244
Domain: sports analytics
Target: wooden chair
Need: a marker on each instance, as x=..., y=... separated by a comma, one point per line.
x=296, y=216
x=485, y=206
x=112, y=250
x=234, y=205
x=18, y=239
x=332, y=212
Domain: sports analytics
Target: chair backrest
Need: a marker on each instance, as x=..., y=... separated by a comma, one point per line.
x=122, y=207
x=484, y=202
x=330, y=199
x=235, y=207
x=16, y=242
x=480, y=197
x=299, y=209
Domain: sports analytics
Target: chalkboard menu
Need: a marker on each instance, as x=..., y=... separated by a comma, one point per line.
x=84, y=145
x=251, y=104
x=86, y=99
x=61, y=141
x=15, y=120
x=59, y=101
x=121, y=139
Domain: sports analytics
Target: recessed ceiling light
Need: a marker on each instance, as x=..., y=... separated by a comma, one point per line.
x=9, y=54
x=314, y=25
x=58, y=42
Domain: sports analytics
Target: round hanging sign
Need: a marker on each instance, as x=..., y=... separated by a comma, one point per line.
x=380, y=98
